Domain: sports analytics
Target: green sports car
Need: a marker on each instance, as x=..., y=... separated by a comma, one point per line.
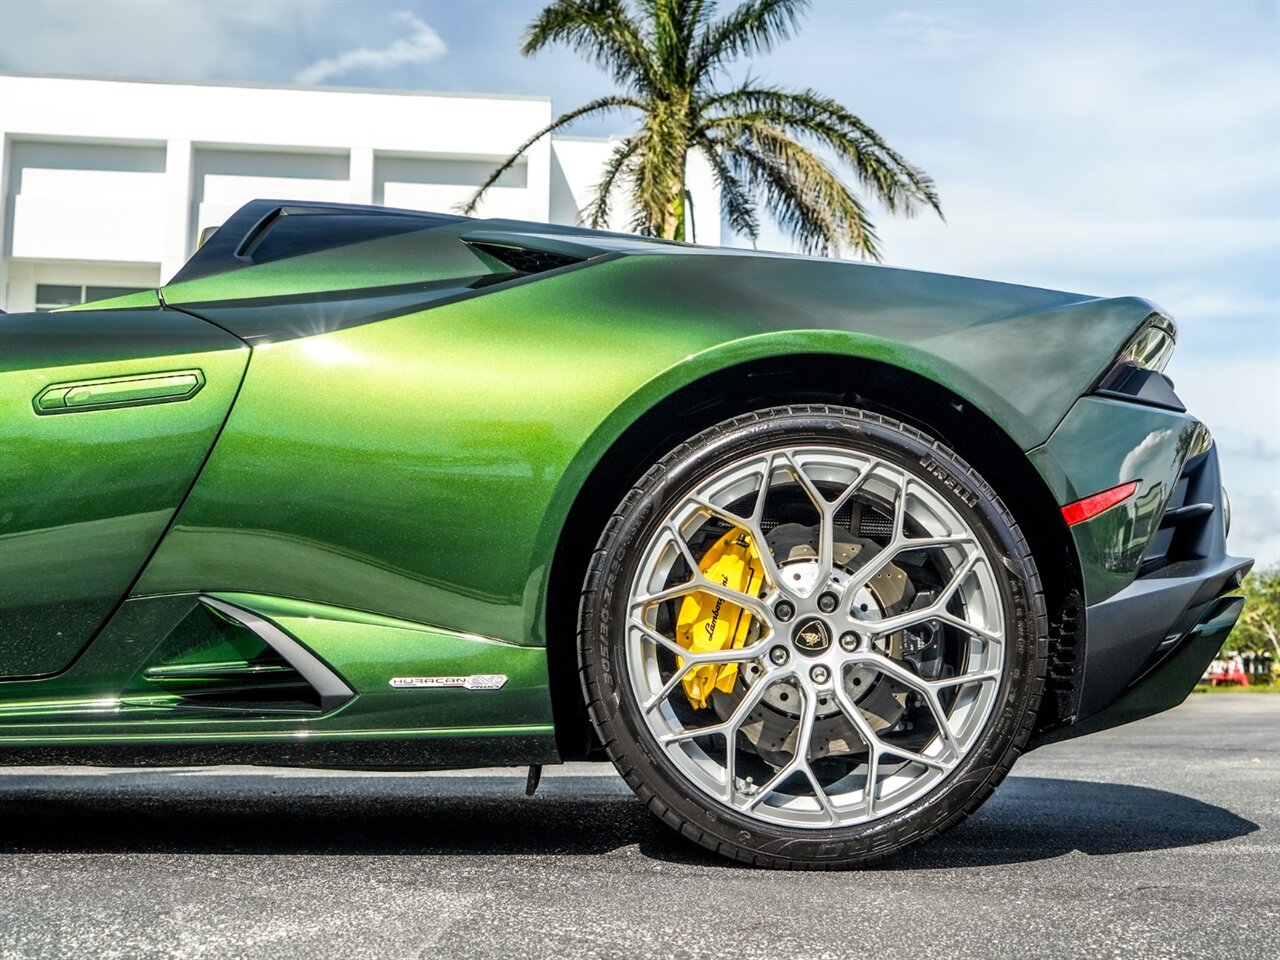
x=811, y=550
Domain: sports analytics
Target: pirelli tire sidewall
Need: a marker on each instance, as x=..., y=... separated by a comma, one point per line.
x=602, y=639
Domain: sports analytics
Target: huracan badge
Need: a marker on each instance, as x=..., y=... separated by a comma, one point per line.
x=477, y=681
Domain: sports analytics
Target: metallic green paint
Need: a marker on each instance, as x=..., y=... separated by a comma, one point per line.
x=1103, y=443
x=369, y=650
x=140, y=300
x=88, y=493
x=403, y=451
x=1021, y=354
x=496, y=408
x=102, y=697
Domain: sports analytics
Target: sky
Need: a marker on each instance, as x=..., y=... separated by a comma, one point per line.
x=1112, y=148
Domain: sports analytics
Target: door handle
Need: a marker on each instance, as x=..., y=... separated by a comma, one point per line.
x=132, y=391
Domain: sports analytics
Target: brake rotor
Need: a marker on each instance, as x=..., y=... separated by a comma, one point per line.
x=771, y=728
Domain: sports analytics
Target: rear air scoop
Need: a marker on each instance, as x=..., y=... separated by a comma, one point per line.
x=266, y=230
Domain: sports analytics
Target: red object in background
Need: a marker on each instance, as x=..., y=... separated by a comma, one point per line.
x=1231, y=672
x=1090, y=507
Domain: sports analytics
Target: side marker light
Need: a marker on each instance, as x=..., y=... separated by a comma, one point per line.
x=1090, y=507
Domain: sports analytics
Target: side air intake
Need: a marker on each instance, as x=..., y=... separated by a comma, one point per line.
x=224, y=659
x=524, y=259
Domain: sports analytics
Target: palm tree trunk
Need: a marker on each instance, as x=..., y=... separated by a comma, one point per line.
x=674, y=216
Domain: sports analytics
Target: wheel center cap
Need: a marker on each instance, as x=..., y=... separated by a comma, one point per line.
x=811, y=636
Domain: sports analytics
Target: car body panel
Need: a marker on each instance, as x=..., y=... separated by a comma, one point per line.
x=89, y=492
x=351, y=455
x=414, y=429
x=138, y=300
x=1101, y=444
x=103, y=698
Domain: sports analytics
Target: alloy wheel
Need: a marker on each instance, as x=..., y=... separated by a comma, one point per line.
x=814, y=636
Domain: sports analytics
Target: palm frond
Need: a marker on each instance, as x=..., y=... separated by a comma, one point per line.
x=600, y=105
x=736, y=204
x=899, y=185
x=603, y=31
x=673, y=30
x=596, y=215
x=659, y=168
x=767, y=147
x=753, y=27
x=802, y=193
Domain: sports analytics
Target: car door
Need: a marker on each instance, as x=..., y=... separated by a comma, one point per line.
x=106, y=417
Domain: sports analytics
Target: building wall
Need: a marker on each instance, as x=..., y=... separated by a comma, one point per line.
x=109, y=183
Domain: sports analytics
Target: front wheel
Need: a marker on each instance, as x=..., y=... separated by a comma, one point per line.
x=811, y=637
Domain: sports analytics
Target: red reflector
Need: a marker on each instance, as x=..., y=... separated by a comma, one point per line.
x=1090, y=507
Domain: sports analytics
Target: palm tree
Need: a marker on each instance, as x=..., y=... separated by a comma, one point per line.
x=670, y=58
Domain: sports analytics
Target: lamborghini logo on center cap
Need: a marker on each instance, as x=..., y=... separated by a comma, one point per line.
x=811, y=636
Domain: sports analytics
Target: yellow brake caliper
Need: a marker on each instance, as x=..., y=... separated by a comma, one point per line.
x=707, y=623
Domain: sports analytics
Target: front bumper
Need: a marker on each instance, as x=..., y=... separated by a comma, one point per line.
x=1147, y=645
x=1167, y=683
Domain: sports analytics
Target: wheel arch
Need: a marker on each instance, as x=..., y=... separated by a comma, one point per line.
x=794, y=378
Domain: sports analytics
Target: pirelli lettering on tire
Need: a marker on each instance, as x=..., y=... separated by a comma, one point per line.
x=934, y=468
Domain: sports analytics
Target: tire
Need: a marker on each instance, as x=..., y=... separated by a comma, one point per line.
x=947, y=702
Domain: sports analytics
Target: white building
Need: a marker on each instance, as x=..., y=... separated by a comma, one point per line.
x=108, y=183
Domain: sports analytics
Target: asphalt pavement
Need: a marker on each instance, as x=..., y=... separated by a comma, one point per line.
x=1160, y=839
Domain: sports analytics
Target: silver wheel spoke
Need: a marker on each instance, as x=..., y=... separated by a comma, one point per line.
x=783, y=722
x=827, y=510
x=937, y=610
x=752, y=525
x=826, y=521
x=899, y=542
x=996, y=636
x=981, y=676
x=804, y=745
x=798, y=762
x=868, y=571
x=820, y=794
x=726, y=728
x=729, y=655
x=877, y=746
x=869, y=789
x=772, y=573
x=700, y=584
x=924, y=689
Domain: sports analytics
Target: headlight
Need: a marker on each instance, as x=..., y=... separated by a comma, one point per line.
x=1151, y=348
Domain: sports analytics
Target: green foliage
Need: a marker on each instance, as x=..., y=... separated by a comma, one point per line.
x=764, y=144
x=1258, y=630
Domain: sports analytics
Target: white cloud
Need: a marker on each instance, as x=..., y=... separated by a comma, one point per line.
x=1048, y=239
x=421, y=46
x=229, y=40
x=934, y=35
x=1255, y=526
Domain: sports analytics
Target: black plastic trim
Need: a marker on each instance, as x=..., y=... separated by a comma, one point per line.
x=1168, y=682
x=1192, y=511
x=470, y=749
x=230, y=246
x=1131, y=634
x=525, y=259
x=1128, y=381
